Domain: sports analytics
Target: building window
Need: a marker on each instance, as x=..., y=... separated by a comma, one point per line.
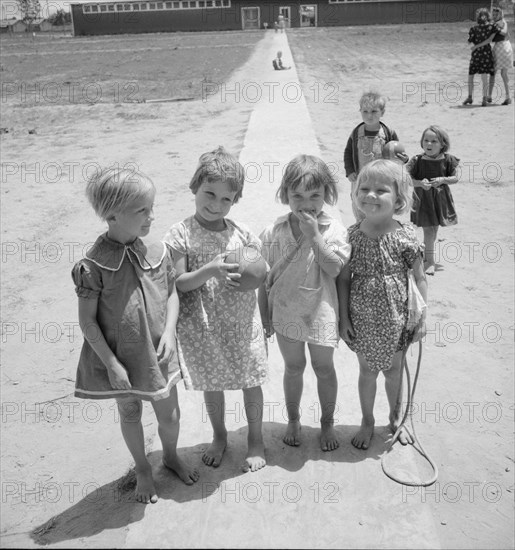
x=168, y=5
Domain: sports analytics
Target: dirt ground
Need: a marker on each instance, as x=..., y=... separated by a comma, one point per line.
x=58, y=451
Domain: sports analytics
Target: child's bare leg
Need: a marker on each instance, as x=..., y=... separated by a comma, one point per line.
x=168, y=422
x=430, y=234
x=294, y=356
x=130, y=409
x=367, y=387
x=327, y=385
x=393, y=387
x=255, y=459
x=215, y=406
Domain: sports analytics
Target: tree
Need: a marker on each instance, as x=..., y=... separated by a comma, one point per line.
x=60, y=17
x=30, y=10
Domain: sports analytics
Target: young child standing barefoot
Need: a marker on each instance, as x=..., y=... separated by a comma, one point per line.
x=128, y=310
x=306, y=250
x=373, y=289
x=217, y=337
x=432, y=173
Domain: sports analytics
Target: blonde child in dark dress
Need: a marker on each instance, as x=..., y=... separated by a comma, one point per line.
x=432, y=173
x=128, y=310
x=373, y=290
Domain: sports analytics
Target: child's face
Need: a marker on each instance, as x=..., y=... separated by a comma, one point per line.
x=371, y=115
x=431, y=144
x=377, y=200
x=213, y=200
x=134, y=221
x=302, y=200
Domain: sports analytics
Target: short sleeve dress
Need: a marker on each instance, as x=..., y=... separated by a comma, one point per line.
x=481, y=60
x=302, y=297
x=435, y=206
x=221, y=341
x=131, y=284
x=378, y=302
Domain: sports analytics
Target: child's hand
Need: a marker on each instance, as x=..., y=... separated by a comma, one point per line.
x=268, y=328
x=166, y=348
x=308, y=224
x=352, y=177
x=425, y=184
x=224, y=271
x=420, y=329
x=346, y=330
x=118, y=377
x=402, y=157
x=436, y=182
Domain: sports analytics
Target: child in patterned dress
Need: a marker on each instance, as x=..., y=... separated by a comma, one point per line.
x=128, y=310
x=432, y=172
x=220, y=338
x=306, y=250
x=373, y=289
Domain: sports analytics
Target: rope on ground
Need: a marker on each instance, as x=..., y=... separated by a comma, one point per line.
x=409, y=414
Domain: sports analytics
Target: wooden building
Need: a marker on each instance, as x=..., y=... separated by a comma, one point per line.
x=135, y=16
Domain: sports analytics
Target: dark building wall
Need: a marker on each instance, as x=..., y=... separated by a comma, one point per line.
x=219, y=19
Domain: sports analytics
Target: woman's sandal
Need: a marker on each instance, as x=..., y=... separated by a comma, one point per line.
x=468, y=101
x=507, y=101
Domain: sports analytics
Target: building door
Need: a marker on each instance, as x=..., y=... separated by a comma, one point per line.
x=250, y=18
x=285, y=11
x=308, y=15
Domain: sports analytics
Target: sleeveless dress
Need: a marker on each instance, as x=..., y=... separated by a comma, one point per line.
x=433, y=206
x=131, y=284
x=378, y=301
x=502, y=48
x=221, y=340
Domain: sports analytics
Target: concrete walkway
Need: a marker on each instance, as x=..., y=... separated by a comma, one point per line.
x=304, y=498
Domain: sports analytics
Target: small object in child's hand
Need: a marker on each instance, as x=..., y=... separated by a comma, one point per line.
x=391, y=149
x=252, y=267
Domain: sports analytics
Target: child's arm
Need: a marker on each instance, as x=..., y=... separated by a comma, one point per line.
x=166, y=347
x=264, y=311
x=343, y=287
x=348, y=161
x=190, y=280
x=116, y=372
x=420, y=279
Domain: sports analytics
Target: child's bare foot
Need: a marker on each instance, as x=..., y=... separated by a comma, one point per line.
x=328, y=439
x=255, y=459
x=185, y=473
x=404, y=436
x=214, y=453
x=429, y=269
x=292, y=435
x=145, y=491
x=361, y=439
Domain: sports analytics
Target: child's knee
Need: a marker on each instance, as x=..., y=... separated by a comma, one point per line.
x=323, y=369
x=130, y=409
x=295, y=369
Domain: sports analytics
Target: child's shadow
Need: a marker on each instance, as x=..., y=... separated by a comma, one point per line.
x=112, y=506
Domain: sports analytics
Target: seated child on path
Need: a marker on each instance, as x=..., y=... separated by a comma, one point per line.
x=367, y=140
x=128, y=310
x=220, y=341
x=278, y=62
x=373, y=289
x=306, y=250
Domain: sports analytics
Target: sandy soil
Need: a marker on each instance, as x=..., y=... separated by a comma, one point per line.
x=58, y=452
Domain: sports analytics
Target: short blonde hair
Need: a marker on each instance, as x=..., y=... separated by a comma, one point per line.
x=313, y=172
x=372, y=99
x=111, y=190
x=390, y=173
x=219, y=165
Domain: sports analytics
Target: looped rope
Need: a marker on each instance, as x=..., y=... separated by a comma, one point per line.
x=409, y=414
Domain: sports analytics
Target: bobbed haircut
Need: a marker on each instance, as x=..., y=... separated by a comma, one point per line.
x=112, y=190
x=311, y=171
x=389, y=173
x=372, y=99
x=482, y=12
x=441, y=134
x=219, y=165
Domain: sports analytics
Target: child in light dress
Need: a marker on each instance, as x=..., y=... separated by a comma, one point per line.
x=373, y=289
x=432, y=173
x=306, y=250
x=220, y=338
x=128, y=311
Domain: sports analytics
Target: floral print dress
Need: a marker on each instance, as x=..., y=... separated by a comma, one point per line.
x=379, y=292
x=221, y=341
